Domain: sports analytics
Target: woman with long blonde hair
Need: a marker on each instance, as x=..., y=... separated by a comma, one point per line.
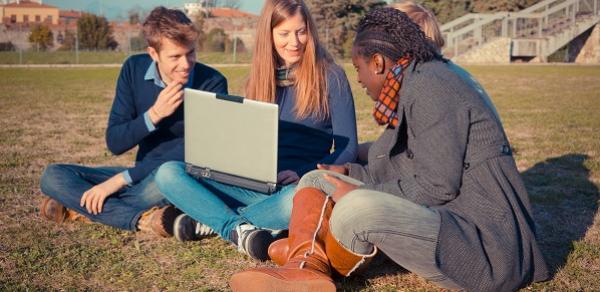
x=317, y=125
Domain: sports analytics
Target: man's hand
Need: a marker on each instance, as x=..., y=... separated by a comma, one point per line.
x=287, y=177
x=93, y=199
x=341, y=169
x=341, y=187
x=167, y=102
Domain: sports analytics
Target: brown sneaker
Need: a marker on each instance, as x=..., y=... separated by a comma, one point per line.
x=52, y=210
x=159, y=220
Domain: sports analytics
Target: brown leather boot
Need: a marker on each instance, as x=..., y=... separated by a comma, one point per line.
x=341, y=259
x=344, y=261
x=52, y=210
x=307, y=267
x=278, y=251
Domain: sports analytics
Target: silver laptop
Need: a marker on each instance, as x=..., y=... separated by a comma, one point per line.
x=231, y=140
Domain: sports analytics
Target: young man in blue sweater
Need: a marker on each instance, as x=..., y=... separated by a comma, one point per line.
x=147, y=112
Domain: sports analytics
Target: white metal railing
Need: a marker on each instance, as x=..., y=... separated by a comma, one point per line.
x=538, y=30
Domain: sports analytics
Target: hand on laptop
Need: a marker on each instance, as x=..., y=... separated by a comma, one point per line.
x=287, y=177
x=341, y=169
x=167, y=102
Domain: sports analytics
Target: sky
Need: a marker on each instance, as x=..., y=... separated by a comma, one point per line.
x=118, y=8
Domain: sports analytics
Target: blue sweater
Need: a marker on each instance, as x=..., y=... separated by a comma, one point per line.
x=305, y=142
x=128, y=122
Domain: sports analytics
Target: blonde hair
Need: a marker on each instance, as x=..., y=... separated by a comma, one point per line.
x=424, y=18
x=311, y=72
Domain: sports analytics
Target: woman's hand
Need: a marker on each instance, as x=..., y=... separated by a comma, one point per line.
x=341, y=187
x=287, y=177
x=341, y=169
x=93, y=199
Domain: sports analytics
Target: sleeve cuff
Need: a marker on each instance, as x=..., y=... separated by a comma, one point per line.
x=148, y=121
x=127, y=177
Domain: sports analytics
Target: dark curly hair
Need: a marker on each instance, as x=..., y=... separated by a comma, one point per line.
x=393, y=34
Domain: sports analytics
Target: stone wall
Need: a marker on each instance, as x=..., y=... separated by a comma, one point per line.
x=587, y=51
x=496, y=51
x=19, y=37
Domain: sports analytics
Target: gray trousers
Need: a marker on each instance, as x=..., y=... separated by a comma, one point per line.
x=406, y=232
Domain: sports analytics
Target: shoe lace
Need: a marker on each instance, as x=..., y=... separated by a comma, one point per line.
x=314, y=239
x=203, y=230
x=243, y=232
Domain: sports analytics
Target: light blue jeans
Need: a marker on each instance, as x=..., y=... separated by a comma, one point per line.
x=222, y=206
x=66, y=183
x=405, y=231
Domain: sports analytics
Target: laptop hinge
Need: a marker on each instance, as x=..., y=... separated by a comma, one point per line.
x=259, y=186
x=233, y=98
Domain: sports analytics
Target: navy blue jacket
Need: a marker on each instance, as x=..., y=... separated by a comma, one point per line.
x=134, y=96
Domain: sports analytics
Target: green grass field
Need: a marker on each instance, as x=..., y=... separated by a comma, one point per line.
x=102, y=57
x=551, y=115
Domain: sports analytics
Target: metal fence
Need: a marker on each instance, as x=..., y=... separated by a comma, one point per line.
x=32, y=57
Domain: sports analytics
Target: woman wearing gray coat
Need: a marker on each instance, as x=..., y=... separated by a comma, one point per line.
x=440, y=195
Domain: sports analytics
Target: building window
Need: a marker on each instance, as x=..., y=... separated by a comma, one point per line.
x=26, y=18
x=38, y=18
x=49, y=19
x=13, y=19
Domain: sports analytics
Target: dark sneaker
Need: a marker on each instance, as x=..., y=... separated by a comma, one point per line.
x=186, y=229
x=252, y=241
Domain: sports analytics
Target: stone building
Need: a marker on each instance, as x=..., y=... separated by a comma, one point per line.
x=234, y=22
x=24, y=12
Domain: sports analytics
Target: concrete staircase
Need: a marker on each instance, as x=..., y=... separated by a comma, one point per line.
x=531, y=34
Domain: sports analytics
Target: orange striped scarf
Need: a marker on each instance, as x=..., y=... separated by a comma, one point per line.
x=387, y=103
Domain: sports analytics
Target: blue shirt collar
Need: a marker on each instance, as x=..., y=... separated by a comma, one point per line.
x=152, y=74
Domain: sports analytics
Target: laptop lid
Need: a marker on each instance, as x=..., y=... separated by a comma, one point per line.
x=231, y=135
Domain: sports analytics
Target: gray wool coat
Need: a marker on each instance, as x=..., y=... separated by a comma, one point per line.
x=450, y=153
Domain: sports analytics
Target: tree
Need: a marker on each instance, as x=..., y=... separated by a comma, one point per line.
x=41, y=37
x=134, y=17
x=337, y=20
x=137, y=43
x=136, y=14
x=448, y=10
x=501, y=5
x=95, y=33
x=69, y=40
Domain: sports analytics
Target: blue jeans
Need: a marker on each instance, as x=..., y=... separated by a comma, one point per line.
x=405, y=231
x=66, y=183
x=222, y=206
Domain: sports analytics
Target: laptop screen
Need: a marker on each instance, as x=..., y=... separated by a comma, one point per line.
x=231, y=135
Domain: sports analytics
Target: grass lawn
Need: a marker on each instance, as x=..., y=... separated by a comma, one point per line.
x=551, y=115
x=102, y=57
